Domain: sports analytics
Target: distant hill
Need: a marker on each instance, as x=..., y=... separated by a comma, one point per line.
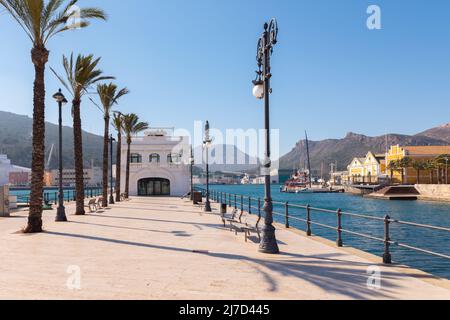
x=353, y=145
x=441, y=133
x=16, y=135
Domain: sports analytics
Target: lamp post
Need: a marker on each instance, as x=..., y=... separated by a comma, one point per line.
x=61, y=212
x=207, y=144
x=191, y=161
x=262, y=90
x=111, y=196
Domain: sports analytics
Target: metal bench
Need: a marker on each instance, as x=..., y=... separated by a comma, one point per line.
x=92, y=205
x=246, y=226
x=234, y=217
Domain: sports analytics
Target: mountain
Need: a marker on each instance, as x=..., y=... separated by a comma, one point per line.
x=227, y=158
x=342, y=151
x=441, y=133
x=16, y=142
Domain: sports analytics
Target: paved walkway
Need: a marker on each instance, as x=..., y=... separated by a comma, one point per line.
x=145, y=249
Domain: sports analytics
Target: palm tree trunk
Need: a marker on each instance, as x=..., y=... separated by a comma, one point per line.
x=79, y=167
x=127, y=178
x=105, y=163
x=39, y=57
x=118, y=165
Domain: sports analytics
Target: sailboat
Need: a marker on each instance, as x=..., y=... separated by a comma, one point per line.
x=302, y=181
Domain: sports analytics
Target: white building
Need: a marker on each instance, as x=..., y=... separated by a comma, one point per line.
x=6, y=168
x=159, y=164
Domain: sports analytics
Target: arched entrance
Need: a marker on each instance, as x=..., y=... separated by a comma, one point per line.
x=153, y=187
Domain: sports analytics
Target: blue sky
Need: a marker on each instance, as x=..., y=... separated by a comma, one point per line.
x=194, y=60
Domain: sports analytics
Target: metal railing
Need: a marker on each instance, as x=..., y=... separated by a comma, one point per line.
x=69, y=196
x=243, y=202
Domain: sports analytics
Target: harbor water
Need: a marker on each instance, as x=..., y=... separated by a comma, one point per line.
x=430, y=213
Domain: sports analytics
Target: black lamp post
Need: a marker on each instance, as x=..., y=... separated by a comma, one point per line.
x=207, y=144
x=111, y=196
x=61, y=212
x=262, y=90
x=191, y=161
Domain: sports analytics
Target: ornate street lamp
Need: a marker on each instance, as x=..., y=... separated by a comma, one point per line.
x=61, y=212
x=207, y=144
x=262, y=90
x=192, y=161
x=111, y=196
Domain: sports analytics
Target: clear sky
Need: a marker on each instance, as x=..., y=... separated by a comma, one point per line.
x=194, y=60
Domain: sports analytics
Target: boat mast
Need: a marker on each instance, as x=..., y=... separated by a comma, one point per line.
x=309, y=160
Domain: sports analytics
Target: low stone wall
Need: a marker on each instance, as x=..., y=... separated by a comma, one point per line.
x=436, y=192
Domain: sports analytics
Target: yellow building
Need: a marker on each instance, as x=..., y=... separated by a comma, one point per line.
x=417, y=154
x=367, y=169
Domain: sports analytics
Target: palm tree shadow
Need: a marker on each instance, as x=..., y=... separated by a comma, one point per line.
x=330, y=274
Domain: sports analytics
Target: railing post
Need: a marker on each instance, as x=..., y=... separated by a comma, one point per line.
x=286, y=210
x=308, y=221
x=242, y=203
x=229, y=200
x=339, y=242
x=250, y=205
x=235, y=201
x=387, y=258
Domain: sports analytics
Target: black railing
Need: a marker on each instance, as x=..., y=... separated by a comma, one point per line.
x=387, y=221
x=69, y=196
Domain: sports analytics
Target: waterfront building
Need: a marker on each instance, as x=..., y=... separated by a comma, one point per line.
x=157, y=164
x=409, y=175
x=369, y=169
x=92, y=177
x=7, y=168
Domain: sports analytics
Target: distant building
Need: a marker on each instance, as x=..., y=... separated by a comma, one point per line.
x=367, y=170
x=6, y=168
x=157, y=166
x=19, y=179
x=417, y=153
x=92, y=177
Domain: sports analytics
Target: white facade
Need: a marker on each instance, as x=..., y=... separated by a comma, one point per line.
x=159, y=164
x=6, y=168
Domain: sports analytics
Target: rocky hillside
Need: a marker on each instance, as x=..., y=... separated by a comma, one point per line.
x=344, y=150
x=16, y=135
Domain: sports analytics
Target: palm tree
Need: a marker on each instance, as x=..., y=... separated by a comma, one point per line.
x=442, y=163
x=109, y=96
x=80, y=75
x=41, y=21
x=117, y=124
x=430, y=166
x=404, y=164
x=419, y=165
x=131, y=126
x=393, y=166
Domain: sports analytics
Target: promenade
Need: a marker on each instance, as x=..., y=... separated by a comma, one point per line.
x=166, y=248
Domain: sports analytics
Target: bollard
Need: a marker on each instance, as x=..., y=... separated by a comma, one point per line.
x=308, y=220
x=387, y=258
x=286, y=210
x=339, y=242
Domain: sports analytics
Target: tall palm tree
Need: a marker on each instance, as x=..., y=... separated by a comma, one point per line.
x=81, y=75
x=404, y=164
x=131, y=126
x=442, y=163
x=117, y=124
x=109, y=96
x=393, y=166
x=41, y=21
x=419, y=165
x=430, y=167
